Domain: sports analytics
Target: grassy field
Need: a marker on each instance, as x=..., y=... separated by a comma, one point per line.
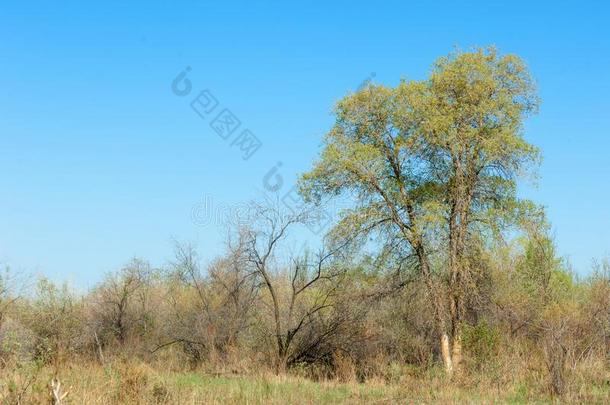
x=122, y=383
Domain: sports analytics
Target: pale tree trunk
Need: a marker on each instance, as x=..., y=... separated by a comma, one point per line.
x=446, y=354
x=465, y=180
x=455, y=345
x=458, y=230
x=456, y=350
x=438, y=305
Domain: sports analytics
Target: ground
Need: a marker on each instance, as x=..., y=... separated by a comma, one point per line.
x=122, y=383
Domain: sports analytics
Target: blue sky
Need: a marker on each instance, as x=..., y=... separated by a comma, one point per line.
x=101, y=162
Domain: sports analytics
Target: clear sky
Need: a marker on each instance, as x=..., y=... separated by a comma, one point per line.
x=100, y=161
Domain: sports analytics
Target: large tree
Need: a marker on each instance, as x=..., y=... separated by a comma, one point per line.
x=432, y=167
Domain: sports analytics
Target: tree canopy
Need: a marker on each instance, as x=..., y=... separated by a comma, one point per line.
x=432, y=164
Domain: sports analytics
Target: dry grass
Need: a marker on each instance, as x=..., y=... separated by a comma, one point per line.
x=121, y=382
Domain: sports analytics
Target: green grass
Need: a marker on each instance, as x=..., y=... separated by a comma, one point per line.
x=271, y=389
x=129, y=383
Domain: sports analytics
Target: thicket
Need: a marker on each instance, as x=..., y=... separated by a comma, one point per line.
x=532, y=324
x=437, y=270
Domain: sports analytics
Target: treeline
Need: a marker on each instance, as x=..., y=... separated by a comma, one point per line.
x=437, y=264
x=328, y=314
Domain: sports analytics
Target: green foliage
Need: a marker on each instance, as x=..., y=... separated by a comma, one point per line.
x=481, y=342
x=55, y=319
x=425, y=154
x=541, y=273
x=420, y=160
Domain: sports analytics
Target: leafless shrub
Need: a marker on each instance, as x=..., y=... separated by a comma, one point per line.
x=121, y=306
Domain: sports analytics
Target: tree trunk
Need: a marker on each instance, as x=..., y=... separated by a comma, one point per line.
x=458, y=230
x=446, y=353
x=282, y=364
x=437, y=303
x=456, y=350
